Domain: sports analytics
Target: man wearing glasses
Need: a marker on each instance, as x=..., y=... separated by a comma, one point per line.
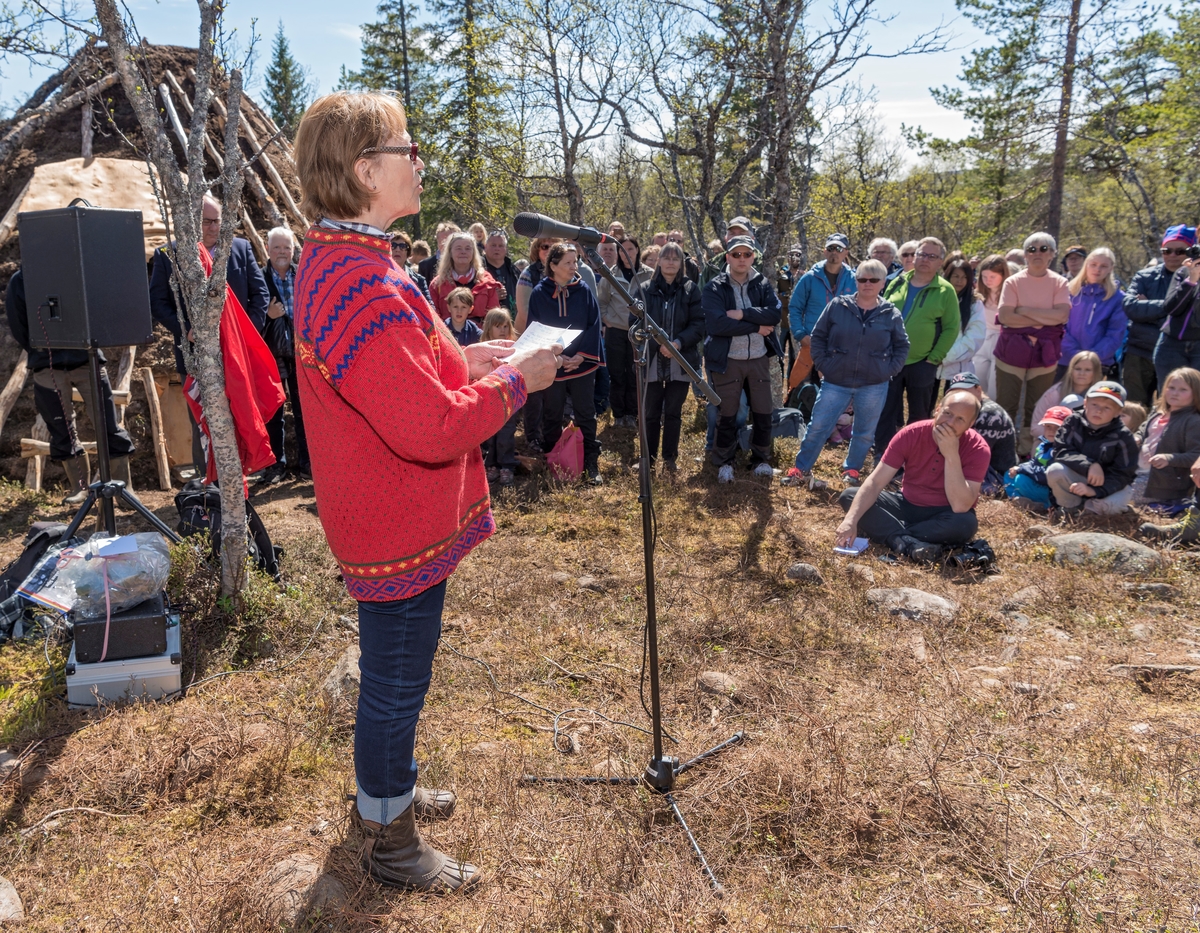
x=1144, y=307
x=738, y=227
x=497, y=262
x=827, y=279
x=929, y=306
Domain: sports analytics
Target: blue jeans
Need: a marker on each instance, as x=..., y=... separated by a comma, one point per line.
x=1171, y=354
x=398, y=640
x=831, y=402
x=1026, y=487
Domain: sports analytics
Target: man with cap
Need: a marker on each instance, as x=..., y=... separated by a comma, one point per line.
x=996, y=428
x=827, y=279
x=1073, y=260
x=1144, y=302
x=944, y=464
x=1095, y=456
x=1179, y=343
x=929, y=305
x=741, y=312
x=739, y=226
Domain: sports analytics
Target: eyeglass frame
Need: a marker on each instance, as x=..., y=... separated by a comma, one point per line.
x=1039, y=249
x=410, y=149
x=927, y=256
x=868, y=281
x=749, y=255
x=1175, y=252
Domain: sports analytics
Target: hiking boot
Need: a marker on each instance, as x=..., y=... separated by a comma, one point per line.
x=725, y=474
x=77, y=476
x=1184, y=531
x=916, y=549
x=430, y=803
x=816, y=485
x=118, y=468
x=795, y=477
x=592, y=471
x=506, y=477
x=397, y=856
x=851, y=478
x=493, y=474
x=670, y=466
x=764, y=469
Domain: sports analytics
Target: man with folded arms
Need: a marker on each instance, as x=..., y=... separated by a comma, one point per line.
x=944, y=465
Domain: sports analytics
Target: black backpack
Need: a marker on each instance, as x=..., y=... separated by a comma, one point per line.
x=199, y=508
x=41, y=536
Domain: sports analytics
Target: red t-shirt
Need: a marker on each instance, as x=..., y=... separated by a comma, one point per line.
x=914, y=449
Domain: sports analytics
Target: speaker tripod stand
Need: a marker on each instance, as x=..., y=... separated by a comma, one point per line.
x=108, y=489
x=662, y=771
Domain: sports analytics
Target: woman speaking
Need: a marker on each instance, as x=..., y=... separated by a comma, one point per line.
x=398, y=413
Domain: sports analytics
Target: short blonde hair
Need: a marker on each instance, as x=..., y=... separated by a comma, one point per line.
x=329, y=142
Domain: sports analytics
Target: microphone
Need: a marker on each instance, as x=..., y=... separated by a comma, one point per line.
x=538, y=225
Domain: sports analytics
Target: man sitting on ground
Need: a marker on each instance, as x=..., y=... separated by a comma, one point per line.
x=944, y=465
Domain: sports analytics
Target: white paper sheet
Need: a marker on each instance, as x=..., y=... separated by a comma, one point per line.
x=538, y=336
x=126, y=544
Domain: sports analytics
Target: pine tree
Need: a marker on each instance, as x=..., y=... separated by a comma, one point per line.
x=289, y=86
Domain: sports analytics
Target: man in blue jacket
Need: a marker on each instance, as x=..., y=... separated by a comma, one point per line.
x=825, y=281
x=1144, y=307
x=741, y=311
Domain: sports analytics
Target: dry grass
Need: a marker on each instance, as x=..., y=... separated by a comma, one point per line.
x=877, y=791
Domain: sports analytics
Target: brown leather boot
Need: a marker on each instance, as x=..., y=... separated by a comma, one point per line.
x=397, y=856
x=430, y=803
x=118, y=468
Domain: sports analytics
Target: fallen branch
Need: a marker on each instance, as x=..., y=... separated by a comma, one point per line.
x=30, y=830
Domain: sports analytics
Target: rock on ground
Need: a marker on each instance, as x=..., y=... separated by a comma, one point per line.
x=11, y=908
x=805, y=573
x=1022, y=598
x=295, y=890
x=1124, y=555
x=343, y=680
x=717, y=683
x=1149, y=590
x=863, y=572
x=913, y=603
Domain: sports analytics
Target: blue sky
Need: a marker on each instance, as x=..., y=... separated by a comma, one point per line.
x=325, y=36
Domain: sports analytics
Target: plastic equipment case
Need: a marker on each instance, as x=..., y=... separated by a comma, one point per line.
x=133, y=678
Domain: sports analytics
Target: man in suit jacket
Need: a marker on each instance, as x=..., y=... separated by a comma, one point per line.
x=280, y=274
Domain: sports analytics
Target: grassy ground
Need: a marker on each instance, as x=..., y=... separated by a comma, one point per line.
x=892, y=780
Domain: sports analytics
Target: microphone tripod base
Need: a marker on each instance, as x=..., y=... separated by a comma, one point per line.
x=659, y=776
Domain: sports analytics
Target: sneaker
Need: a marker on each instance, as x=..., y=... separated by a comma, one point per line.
x=725, y=474
x=493, y=474
x=594, y=478
x=535, y=447
x=764, y=469
x=795, y=477
x=304, y=472
x=851, y=478
x=273, y=475
x=506, y=477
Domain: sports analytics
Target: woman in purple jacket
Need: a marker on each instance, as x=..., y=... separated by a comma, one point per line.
x=1097, y=320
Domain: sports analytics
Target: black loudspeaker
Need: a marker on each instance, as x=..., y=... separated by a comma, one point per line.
x=85, y=278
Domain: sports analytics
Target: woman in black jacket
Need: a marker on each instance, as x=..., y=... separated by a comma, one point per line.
x=673, y=302
x=1179, y=343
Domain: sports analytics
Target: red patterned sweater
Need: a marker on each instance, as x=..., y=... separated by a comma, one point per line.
x=394, y=424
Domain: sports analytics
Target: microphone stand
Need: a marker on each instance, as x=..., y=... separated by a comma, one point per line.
x=662, y=770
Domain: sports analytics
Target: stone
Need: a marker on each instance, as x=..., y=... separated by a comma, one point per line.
x=1056, y=633
x=343, y=680
x=1154, y=670
x=917, y=644
x=719, y=684
x=590, y=583
x=1152, y=590
x=8, y=764
x=1023, y=598
x=295, y=891
x=862, y=572
x=349, y=624
x=1018, y=620
x=1025, y=689
x=913, y=604
x=992, y=683
x=995, y=671
x=1120, y=554
x=804, y=573
x=1141, y=728
x=488, y=749
x=11, y=908
x=560, y=578
x=1038, y=531
x=1142, y=631
x=1009, y=654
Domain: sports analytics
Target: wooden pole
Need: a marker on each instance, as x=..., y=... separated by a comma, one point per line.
x=9, y=223
x=13, y=388
x=124, y=376
x=33, y=472
x=156, y=427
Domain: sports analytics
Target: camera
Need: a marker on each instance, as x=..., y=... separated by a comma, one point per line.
x=1194, y=252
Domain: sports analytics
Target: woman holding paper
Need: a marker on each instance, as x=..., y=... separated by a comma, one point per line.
x=398, y=411
x=562, y=300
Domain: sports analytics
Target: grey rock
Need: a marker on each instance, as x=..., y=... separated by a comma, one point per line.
x=1152, y=590
x=1029, y=690
x=863, y=572
x=488, y=749
x=1057, y=633
x=343, y=680
x=805, y=573
x=991, y=683
x=560, y=578
x=1009, y=654
x=1018, y=620
x=719, y=684
x=591, y=583
x=1120, y=554
x=349, y=624
x=8, y=764
x=295, y=891
x=913, y=604
x=1141, y=631
x=1023, y=598
x=1154, y=670
x=11, y=908
x=1038, y=531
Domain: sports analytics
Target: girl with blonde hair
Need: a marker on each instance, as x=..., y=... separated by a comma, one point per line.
x=1097, y=320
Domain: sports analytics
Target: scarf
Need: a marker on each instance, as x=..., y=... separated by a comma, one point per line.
x=466, y=279
x=561, y=293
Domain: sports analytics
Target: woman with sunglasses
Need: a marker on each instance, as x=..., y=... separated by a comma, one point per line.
x=396, y=412
x=402, y=254
x=1035, y=304
x=859, y=345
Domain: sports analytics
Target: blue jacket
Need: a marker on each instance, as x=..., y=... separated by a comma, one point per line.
x=1146, y=314
x=766, y=310
x=1096, y=323
x=241, y=272
x=573, y=305
x=852, y=348
x=810, y=296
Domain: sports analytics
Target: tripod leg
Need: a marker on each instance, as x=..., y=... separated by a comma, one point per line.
x=716, y=750
x=717, y=888
x=136, y=504
x=81, y=514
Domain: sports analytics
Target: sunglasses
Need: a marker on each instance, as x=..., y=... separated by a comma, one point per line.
x=1175, y=252
x=834, y=248
x=907, y=255
x=1038, y=249
x=872, y=281
x=399, y=247
x=741, y=255
x=397, y=150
